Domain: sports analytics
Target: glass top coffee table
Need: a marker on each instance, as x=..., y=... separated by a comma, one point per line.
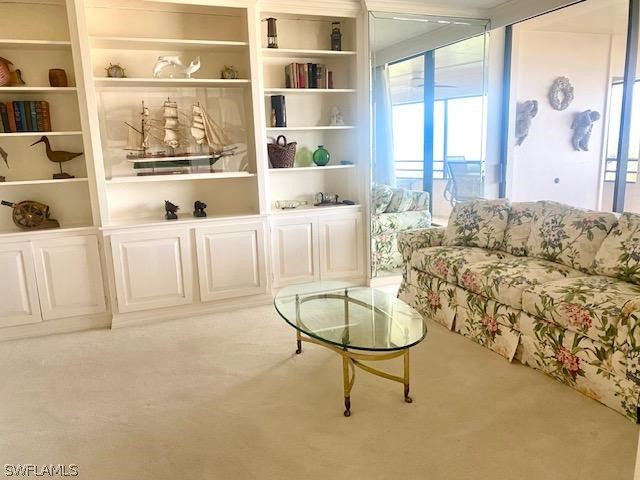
x=359, y=323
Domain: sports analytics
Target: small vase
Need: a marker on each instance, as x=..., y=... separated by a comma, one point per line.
x=58, y=78
x=321, y=156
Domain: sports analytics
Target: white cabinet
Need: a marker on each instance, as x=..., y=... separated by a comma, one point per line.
x=231, y=260
x=294, y=245
x=310, y=248
x=341, y=249
x=69, y=277
x=152, y=269
x=18, y=292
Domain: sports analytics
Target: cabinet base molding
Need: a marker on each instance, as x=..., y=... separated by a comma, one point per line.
x=174, y=313
x=55, y=327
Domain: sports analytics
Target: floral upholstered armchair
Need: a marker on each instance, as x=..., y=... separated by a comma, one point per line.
x=394, y=211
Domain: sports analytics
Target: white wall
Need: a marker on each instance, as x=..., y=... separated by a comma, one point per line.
x=547, y=154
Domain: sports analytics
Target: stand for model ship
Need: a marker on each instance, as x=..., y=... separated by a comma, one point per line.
x=210, y=138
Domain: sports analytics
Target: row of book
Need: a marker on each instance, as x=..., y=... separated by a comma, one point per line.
x=25, y=116
x=308, y=75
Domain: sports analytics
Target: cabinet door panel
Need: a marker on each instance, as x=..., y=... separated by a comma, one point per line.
x=231, y=261
x=341, y=252
x=295, y=258
x=152, y=269
x=18, y=290
x=69, y=277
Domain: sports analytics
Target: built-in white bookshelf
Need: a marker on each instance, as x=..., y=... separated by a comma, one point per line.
x=306, y=39
x=34, y=47
x=134, y=36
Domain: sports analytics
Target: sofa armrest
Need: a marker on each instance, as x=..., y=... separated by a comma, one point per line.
x=630, y=315
x=412, y=240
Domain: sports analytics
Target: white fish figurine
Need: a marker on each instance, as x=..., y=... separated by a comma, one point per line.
x=193, y=67
x=164, y=61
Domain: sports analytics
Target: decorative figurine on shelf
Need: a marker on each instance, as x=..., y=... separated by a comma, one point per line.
x=115, y=71
x=337, y=120
x=272, y=34
x=165, y=61
x=198, y=209
x=582, y=126
x=8, y=77
x=336, y=37
x=321, y=156
x=58, y=77
x=229, y=73
x=5, y=156
x=57, y=156
x=171, y=210
x=525, y=112
x=30, y=215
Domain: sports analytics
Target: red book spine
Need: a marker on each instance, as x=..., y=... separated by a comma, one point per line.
x=46, y=118
x=12, y=118
x=330, y=81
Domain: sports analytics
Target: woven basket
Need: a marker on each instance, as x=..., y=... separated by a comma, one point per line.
x=281, y=156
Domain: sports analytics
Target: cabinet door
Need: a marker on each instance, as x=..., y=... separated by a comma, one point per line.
x=341, y=249
x=152, y=269
x=18, y=290
x=294, y=244
x=69, y=277
x=231, y=260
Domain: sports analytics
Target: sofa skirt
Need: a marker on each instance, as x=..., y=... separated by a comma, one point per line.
x=594, y=369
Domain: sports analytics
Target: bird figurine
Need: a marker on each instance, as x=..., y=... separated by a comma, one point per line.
x=57, y=156
x=5, y=156
x=193, y=67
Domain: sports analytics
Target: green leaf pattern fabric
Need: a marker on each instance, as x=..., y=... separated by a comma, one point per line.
x=619, y=255
x=478, y=223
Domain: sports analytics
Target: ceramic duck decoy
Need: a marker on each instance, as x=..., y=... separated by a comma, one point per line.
x=57, y=156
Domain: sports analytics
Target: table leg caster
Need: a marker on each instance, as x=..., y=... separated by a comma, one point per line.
x=407, y=398
x=347, y=406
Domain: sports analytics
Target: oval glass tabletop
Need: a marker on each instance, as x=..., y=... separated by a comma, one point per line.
x=351, y=317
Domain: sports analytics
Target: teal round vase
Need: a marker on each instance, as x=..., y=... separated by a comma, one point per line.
x=321, y=156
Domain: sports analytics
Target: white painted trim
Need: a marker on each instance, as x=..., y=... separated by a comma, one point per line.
x=424, y=8
x=517, y=10
x=55, y=327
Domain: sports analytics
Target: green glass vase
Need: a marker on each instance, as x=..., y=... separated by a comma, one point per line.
x=321, y=156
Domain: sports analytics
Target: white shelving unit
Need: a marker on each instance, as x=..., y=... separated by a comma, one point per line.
x=170, y=82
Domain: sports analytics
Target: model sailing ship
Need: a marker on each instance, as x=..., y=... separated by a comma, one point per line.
x=210, y=139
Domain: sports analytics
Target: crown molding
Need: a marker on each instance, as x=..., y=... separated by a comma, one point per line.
x=515, y=11
x=425, y=8
x=329, y=8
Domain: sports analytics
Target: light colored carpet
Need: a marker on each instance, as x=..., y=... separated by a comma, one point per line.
x=224, y=397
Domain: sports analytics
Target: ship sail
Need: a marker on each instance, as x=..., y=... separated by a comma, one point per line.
x=138, y=139
x=171, y=124
x=205, y=131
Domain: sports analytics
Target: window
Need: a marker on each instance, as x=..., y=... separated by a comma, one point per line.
x=615, y=110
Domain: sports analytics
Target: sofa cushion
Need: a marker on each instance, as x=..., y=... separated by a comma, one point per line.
x=412, y=240
x=478, y=223
x=591, y=305
x=419, y=201
x=401, y=201
x=567, y=235
x=446, y=261
x=518, y=228
x=381, y=197
x=619, y=255
x=385, y=223
x=504, y=280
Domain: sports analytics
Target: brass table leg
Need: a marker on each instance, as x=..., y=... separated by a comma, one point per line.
x=407, y=398
x=346, y=381
x=299, y=343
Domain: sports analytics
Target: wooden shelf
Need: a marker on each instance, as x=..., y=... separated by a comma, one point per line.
x=310, y=169
x=43, y=182
x=302, y=53
x=269, y=91
x=142, y=43
x=169, y=82
x=38, y=90
x=35, y=44
x=310, y=129
x=39, y=134
x=180, y=177
x=183, y=219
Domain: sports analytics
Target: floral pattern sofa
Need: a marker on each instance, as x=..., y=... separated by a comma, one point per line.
x=395, y=210
x=555, y=287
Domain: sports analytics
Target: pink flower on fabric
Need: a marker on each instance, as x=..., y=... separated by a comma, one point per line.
x=577, y=315
x=434, y=299
x=568, y=360
x=490, y=323
x=441, y=267
x=470, y=280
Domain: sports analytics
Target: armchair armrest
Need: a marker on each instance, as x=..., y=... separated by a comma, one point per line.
x=412, y=240
x=630, y=315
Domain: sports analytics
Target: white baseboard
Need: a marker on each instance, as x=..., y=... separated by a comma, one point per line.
x=54, y=327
